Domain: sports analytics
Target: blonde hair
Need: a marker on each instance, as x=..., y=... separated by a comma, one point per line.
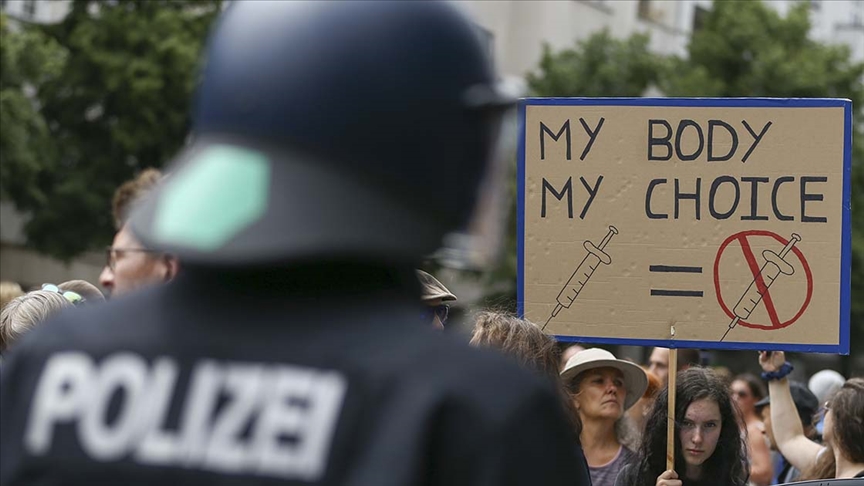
x=8, y=291
x=25, y=312
x=519, y=338
x=532, y=348
x=83, y=288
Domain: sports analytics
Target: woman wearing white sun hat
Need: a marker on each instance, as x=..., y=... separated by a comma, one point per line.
x=603, y=388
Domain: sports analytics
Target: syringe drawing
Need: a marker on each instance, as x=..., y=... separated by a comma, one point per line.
x=596, y=255
x=775, y=264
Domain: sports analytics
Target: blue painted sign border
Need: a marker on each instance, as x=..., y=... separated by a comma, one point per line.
x=846, y=246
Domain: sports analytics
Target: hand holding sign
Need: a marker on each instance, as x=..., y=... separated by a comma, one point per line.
x=771, y=361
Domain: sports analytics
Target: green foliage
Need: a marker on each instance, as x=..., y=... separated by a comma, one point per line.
x=747, y=49
x=113, y=99
x=599, y=66
x=29, y=59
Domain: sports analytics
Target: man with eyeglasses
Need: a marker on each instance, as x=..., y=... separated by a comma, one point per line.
x=434, y=295
x=128, y=265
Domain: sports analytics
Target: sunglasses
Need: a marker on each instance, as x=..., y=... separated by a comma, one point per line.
x=73, y=297
x=112, y=253
x=442, y=311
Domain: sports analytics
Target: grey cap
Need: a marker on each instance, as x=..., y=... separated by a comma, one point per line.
x=432, y=288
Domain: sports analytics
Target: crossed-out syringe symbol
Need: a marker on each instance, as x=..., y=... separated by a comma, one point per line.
x=774, y=265
x=583, y=272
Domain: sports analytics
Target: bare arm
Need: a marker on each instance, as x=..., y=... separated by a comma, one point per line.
x=788, y=432
x=761, y=468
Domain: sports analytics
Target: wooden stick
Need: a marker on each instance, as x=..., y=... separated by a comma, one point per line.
x=670, y=423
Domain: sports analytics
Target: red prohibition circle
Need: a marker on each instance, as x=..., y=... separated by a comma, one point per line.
x=781, y=240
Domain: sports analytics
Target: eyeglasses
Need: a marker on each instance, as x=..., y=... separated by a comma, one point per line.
x=822, y=412
x=111, y=254
x=442, y=311
x=73, y=297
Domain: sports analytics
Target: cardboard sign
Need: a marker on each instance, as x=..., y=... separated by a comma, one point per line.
x=727, y=218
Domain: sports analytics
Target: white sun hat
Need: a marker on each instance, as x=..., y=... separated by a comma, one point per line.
x=634, y=377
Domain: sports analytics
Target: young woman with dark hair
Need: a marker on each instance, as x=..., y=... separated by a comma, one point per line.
x=709, y=448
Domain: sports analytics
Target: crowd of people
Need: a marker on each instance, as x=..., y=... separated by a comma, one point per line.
x=729, y=433
x=220, y=356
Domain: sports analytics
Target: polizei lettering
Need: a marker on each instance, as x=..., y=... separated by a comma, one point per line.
x=242, y=418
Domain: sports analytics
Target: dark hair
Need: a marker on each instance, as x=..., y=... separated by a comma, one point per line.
x=532, y=347
x=825, y=466
x=757, y=389
x=727, y=466
x=847, y=406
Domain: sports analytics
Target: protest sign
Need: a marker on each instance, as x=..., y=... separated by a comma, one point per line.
x=727, y=218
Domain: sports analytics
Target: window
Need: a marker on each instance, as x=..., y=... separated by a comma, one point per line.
x=29, y=8
x=601, y=5
x=645, y=9
x=699, y=14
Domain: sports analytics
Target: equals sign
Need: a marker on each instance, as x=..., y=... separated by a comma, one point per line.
x=674, y=269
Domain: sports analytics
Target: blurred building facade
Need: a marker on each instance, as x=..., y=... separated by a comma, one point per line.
x=38, y=11
x=518, y=30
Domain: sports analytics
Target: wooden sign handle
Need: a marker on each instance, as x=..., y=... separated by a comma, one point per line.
x=670, y=422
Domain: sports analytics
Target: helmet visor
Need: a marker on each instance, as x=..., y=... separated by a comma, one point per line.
x=478, y=245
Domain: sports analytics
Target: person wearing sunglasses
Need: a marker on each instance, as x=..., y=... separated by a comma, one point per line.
x=434, y=295
x=746, y=390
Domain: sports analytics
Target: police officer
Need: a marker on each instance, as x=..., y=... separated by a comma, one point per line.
x=290, y=351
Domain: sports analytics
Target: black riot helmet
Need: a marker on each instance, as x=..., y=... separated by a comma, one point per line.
x=331, y=130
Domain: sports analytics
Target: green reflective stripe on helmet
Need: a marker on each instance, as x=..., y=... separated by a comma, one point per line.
x=222, y=191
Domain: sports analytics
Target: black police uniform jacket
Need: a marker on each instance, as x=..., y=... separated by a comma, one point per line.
x=205, y=382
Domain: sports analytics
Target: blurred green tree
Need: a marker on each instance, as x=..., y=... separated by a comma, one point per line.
x=748, y=49
x=110, y=96
x=598, y=66
x=29, y=59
